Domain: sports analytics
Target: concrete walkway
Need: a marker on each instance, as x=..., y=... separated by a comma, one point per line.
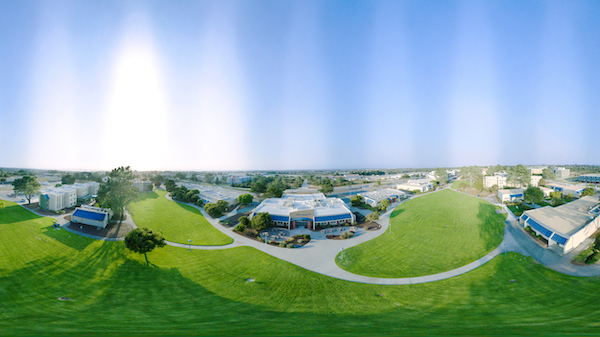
x=320, y=253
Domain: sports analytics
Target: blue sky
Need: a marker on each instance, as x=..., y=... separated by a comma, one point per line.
x=244, y=85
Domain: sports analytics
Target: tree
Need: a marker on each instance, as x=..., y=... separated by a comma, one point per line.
x=479, y=184
x=213, y=210
x=519, y=175
x=258, y=186
x=533, y=195
x=372, y=216
x=27, y=185
x=326, y=186
x=117, y=192
x=441, y=176
x=588, y=191
x=245, y=198
x=261, y=221
x=542, y=182
x=244, y=221
x=144, y=240
x=157, y=183
x=180, y=176
x=384, y=204
x=223, y=205
x=494, y=189
x=209, y=177
x=405, y=176
x=297, y=182
x=547, y=174
x=471, y=173
x=356, y=200
x=170, y=185
x=67, y=179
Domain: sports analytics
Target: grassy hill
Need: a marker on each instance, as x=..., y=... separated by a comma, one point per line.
x=430, y=234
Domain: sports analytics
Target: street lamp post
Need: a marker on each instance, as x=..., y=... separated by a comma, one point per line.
x=342, y=253
x=390, y=227
x=190, y=245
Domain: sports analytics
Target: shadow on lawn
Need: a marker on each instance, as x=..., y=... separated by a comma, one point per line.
x=67, y=238
x=491, y=225
x=13, y=213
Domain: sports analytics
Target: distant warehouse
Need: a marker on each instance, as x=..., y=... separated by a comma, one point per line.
x=374, y=198
x=566, y=226
x=590, y=178
x=419, y=185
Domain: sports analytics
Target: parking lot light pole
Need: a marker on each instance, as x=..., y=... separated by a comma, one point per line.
x=190, y=245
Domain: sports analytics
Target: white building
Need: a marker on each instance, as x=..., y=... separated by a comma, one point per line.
x=374, y=198
x=143, y=186
x=546, y=191
x=498, y=179
x=238, y=179
x=57, y=198
x=567, y=225
x=535, y=180
x=537, y=170
x=305, y=210
x=419, y=185
x=562, y=173
x=567, y=189
x=93, y=216
x=510, y=194
x=86, y=190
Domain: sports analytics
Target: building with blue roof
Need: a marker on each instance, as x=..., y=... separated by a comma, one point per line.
x=305, y=210
x=92, y=216
x=565, y=226
x=513, y=194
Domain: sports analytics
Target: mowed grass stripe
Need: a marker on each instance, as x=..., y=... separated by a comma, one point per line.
x=430, y=234
x=177, y=222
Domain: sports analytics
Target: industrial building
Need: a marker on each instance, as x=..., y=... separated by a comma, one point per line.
x=374, y=198
x=567, y=225
x=566, y=189
x=590, y=178
x=510, y=194
x=418, y=185
x=93, y=216
x=305, y=210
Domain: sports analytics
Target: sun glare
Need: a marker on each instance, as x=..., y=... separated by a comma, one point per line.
x=136, y=111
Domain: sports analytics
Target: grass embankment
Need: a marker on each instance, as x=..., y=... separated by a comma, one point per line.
x=456, y=184
x=176, y=221
x=430, y=234
x=205, y=292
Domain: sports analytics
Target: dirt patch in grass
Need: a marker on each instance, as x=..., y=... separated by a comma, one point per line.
x=113, y=230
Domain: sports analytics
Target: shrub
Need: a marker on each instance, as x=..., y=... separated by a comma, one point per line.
x=584, y=255
x=306, y=236
x=290, y=245
x=244, y=221
x=300, y=241
x=240, y=228
x=282, y=244
x=594, y=258
x=213, y=210
x=373, y=216
x=346, y=235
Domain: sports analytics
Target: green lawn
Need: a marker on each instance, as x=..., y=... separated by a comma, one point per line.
x=204, y=292
x=176, y=221
x=430, y=234
x=455, y=184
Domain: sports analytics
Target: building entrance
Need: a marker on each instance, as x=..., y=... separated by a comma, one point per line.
x=301, y=223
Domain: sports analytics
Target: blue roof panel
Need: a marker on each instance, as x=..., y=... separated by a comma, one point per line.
x=279, y=217
x=539, y=228
x=333, y=217
x=559, y=239
x=89, y=215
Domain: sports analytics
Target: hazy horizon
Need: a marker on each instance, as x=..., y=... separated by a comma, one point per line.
x=310, y=85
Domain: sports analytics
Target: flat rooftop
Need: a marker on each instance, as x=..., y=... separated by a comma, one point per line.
x=568, y=218
x=321, y=205
x=382, y=194
x=512, y=191
x=597, y=175
x=568, y=186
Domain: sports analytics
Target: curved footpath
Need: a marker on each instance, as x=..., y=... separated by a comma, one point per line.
x=320, y=253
